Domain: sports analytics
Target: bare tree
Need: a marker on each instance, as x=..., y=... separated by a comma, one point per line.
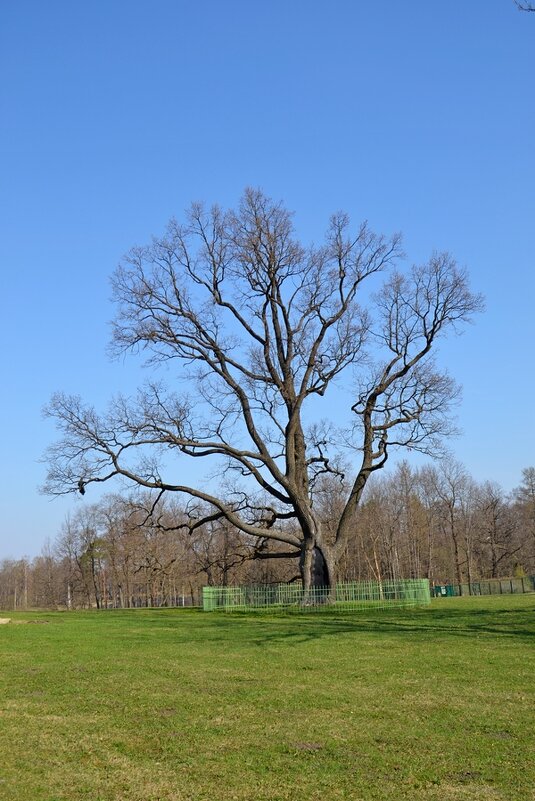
x=524, y=497
x=452, y=490
x=499, y=531
x=262, y=328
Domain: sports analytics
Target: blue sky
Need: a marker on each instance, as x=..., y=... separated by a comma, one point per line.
x=418, y=116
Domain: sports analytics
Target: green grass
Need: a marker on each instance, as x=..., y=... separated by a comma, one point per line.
x=169, y=705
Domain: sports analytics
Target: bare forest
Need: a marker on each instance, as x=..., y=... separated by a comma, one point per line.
x=434, y=522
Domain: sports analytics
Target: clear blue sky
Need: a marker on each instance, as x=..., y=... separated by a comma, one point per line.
x=419, y=116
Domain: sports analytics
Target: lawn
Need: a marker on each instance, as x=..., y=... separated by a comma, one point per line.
x=174, y=705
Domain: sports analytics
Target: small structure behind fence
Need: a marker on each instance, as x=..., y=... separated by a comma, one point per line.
x=350, y=596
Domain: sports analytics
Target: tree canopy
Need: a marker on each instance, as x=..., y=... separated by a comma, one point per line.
x=261, y=331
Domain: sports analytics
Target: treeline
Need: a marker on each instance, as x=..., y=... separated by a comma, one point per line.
x=435, y=522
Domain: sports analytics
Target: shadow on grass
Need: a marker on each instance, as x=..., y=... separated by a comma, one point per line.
x=428, y=623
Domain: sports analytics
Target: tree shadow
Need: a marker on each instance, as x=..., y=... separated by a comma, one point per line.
x=426, y=624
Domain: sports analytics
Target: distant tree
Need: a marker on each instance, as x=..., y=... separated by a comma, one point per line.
x=14, y=583
x=524, y=496
x=260, y=328
x=392, y=526
x=46, y=579
x=498, y=527
x=453, y=491
x=525, y=493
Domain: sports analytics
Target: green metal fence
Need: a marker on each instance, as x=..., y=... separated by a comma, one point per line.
x=505, y=586
x=350, y=595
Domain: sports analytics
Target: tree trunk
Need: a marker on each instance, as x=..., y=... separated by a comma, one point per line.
x=92, y=563
x=318, y=572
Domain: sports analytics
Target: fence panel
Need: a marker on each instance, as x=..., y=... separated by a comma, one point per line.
x=349, y=595
x=487, y=587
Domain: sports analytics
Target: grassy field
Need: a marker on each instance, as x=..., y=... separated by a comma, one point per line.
x=176, y=705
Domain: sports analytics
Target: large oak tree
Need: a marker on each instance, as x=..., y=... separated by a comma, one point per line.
x=270, y=336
